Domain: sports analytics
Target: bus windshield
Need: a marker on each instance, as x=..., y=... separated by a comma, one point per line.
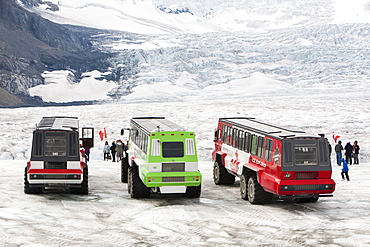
x=305, y=155
x=55, y=144
x=172, y=149
x=303, y=152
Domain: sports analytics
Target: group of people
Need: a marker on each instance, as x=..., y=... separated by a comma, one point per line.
x=350, y=151
x=117, y=150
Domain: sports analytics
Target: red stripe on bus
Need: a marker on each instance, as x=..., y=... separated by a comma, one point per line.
x=56, y=171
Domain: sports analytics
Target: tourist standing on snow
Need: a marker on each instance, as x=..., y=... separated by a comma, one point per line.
x=348, y=153
x=344, y=170
x=356, y=150
x=119, y=149
x=113, y=151
x=87, y=154
x=106, y=150
x=125, y=148
x=338, y=151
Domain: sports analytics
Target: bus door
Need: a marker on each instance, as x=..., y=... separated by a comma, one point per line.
x=87, y=137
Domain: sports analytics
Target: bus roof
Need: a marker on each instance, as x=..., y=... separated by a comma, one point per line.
x=262, y=128
x=156, y=124
x=58, y=123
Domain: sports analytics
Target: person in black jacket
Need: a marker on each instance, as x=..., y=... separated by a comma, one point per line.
x=348, y=153
x=113, y=151
x=338, y=152
x=356, y=150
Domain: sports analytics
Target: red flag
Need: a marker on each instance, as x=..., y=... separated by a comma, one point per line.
x=105, y=133
x=101, y=134
x=335, y=137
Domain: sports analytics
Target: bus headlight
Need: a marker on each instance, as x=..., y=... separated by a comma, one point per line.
x=284, y=187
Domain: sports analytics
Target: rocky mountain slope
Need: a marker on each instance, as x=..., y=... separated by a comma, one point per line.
x=29, y=45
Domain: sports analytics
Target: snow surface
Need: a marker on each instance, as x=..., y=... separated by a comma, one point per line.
x=109, y=217
x=357, y=11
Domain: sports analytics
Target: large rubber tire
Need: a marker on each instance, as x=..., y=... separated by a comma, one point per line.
x=256, y=194
x=244, y=187
x=124, y=170
x=136, y=187
x=221, y=175
x=84, y=190
x=28, y=189
x=193, y=191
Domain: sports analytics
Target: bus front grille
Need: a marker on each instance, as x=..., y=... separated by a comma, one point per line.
x=173, y=179
x=307, y=187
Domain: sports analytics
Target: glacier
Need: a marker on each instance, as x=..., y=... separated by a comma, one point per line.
x=191, y=45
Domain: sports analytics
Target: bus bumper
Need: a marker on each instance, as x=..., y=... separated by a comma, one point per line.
x=159, y=179
x=40, y=177
x=295, y=188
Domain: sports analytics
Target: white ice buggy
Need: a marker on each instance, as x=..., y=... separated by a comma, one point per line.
x=56, y=158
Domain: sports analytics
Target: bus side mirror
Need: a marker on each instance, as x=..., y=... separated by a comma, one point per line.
x=123, y=131
x=216, y=134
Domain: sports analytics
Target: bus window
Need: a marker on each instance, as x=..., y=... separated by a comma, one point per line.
x=241, y=140
x=145, y=144
x=172, y=149
x=72, y=144
x=132, y=134
x=37, y=144
x=138, y=139
x=224, y=131
x=228, y=135
x=247, y=141
x=190, y=150
x=234, y=138
x=268, y=150
x=324, y=153
x=141, y=140
x=55, y=144
x=260, y=146
x=156, y=147
x=305, y=152
x=254, y=144
x=287, y=153
x=305, y=155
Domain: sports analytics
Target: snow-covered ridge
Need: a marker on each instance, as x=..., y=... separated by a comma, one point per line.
x=191, y=16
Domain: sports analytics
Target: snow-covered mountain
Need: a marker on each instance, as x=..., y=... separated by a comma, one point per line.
x=183, y=47
x=192, y=16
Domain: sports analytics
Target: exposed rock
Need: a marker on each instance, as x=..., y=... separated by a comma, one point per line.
x=52, y=6
x=30, y=44
x=7, y=99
